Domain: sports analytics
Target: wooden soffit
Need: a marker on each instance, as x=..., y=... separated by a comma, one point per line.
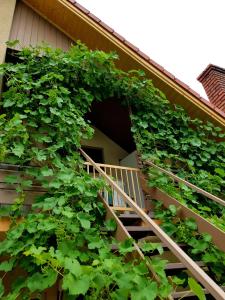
x=81, y=25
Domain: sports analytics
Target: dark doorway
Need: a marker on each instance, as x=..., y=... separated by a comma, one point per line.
x=113, y=120
x=95, y=153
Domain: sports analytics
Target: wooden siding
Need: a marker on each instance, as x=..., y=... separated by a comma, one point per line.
x=31, y=29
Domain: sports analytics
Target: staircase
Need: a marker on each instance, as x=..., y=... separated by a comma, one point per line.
x=127, y=207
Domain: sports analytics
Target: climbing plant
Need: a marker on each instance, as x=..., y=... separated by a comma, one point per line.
x=42, y=122
x=199, y=246
x=192, y=149
x=60, y=240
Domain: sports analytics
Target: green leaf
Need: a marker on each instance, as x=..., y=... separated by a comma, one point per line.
x=147, y=246
x=27, y=183
x=7, y=266
x=173, y=209
x=147, y=293
x=111, y=225
x=196, y=142
x=73, y=266
x=84, y=220
x=75, y=286
x=141, y=269
x=191, y=223
x=11, y=179
x=221, y=172
x=8, y=102
x=196, y=288
x=55, y=184
x=207, y=237
x=16, y=231
x=198, y=245
x=12, y=43
x=68, y=247
x=159, y=266
x=178, y=280
x=169, y=228
x=95, y=243
x=42, y=281
x=45, y=171
x=126, y=246
x=18, y=149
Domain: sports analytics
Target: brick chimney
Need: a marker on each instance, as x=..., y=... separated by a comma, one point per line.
x=213, y=81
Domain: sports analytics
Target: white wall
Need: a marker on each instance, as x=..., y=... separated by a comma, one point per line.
x=112, y=152
x=131, y=161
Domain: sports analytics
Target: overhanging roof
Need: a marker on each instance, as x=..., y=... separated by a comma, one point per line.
x=79, y=24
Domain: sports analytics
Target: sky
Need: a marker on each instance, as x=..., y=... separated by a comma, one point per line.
x=183, y=36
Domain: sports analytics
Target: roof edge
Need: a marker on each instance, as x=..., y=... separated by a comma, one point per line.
x=146, y=57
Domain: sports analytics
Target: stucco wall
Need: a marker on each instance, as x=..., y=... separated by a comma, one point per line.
x=113, y=153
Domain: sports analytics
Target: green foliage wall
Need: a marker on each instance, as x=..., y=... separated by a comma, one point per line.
x=60, y=240
x=41, y=126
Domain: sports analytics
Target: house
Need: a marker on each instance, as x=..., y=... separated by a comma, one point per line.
x=59, y=23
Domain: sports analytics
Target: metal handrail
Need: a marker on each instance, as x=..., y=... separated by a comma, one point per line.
x=187, y=183
x=196, y=271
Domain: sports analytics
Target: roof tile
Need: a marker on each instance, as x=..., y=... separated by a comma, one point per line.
x=83, y=9
x=181, y=83
x=94, y=18
x=120, y=37
x=155, y=64
x=195, y=93
x=143, y=55
x=130, y=45
x=106, y=27
x=170, y=75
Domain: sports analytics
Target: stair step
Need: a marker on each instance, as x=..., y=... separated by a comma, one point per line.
x=188, y=293
x=173, y=261
x=138, y=228
x=134, y=216
x=155, y=239
x=179, y=265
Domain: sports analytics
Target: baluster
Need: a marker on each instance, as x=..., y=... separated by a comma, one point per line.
x=116, y=194
x=134, y=192
x=106, y=192
x=121, y=173
x=93, y=171
x=128, y=183
x=139, y=190
x=113, y=194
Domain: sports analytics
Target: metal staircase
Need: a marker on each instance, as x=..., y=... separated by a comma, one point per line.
x=126, y=207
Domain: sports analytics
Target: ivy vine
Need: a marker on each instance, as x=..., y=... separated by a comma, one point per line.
x=199, y=246
x=192, y=149
x=42, y=122
x=60, y=241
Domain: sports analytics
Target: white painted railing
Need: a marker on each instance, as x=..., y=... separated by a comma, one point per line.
x=126, y=178
x=199, y=274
